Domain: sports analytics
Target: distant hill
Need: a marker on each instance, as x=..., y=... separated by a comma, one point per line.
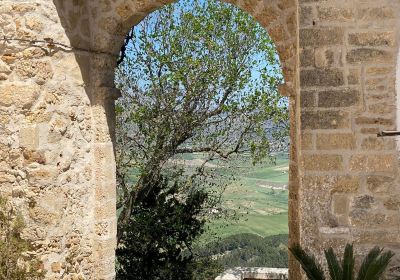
x=248, y=250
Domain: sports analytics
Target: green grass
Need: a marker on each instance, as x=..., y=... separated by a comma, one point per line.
x=261, y=210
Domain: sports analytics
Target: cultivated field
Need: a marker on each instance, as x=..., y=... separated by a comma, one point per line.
x=260, y=198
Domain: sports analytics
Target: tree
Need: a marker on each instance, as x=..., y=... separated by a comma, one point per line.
x=196, y=77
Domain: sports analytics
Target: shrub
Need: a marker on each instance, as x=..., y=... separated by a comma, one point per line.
x=372, y=268
x=15, y=264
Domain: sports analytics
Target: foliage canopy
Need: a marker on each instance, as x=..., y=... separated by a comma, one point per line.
x=196, y=77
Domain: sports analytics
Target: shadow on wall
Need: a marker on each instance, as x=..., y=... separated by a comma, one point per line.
x=95, y=66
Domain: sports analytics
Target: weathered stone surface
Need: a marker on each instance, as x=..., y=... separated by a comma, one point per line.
x=323, y=58
x=307, y=57
x=18, y=94
x=322, y=77
x=41, y=71
x=372, y=120
x=353, y=77
x=335, y=14
x=369, y=163
x=392, y=203
x=4, y=68
x=307, y=99
x=372, y=39
x=335, y=141
x=368, y=55
x=324, y=120
x=376, y=13
x=363, y=202
x=29, y=137
x=306, y=141
x=323, y=162
x=306, y=15
x=321, y=37
x=339, y=98
x=380, y=184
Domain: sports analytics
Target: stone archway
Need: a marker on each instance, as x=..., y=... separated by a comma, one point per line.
x=278, y=17
x=56, y=122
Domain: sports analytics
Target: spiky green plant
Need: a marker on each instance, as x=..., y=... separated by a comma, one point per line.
x=372, y=267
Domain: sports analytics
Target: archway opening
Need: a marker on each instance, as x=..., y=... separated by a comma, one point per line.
x=202, y=137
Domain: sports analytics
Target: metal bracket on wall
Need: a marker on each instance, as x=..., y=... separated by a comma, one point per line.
x=388, y=133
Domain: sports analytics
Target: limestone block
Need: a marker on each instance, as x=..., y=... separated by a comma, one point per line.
x=307, y=57
x=322, y=77
x=354, y=76
x=376, y=13
x=40, y=70
x=374, y=121
x=307, y=98
x=318, y=37
x=335, y=14
x=4, y=67
x=29, y=137
x=42, y=175
x=369, y=55
x=372, y=39
x=324, y=119
x=306, y=141
x=323, y=162
x=380, y=184
x=370, y=163
x=18, y=95
x=392, y=203
x=339, y=98
x=323, y=58
x=336, y=141
x=306, y=15
x=379, y=70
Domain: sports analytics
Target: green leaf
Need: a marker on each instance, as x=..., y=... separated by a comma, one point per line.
x=374, y=264
x=335, y=270
x=348, y=263
x=310, y=266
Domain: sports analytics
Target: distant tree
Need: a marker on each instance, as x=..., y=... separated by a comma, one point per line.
x=195, y=77
x=248, y=250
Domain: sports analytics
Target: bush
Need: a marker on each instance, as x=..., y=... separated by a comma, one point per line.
x=14, y=262
x=156, y=243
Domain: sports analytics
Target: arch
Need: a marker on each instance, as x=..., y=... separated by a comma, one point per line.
x=279, y=17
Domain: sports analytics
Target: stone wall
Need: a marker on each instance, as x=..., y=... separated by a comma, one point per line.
x=56, y=110
x=349, y=177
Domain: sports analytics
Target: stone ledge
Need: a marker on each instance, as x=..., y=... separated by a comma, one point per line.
x=262, y=273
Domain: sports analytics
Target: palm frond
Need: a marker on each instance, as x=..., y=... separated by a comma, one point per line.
x=348, y=263
x=310, y=266
x=335, y=270
x=378, y=266
x=369, y=259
